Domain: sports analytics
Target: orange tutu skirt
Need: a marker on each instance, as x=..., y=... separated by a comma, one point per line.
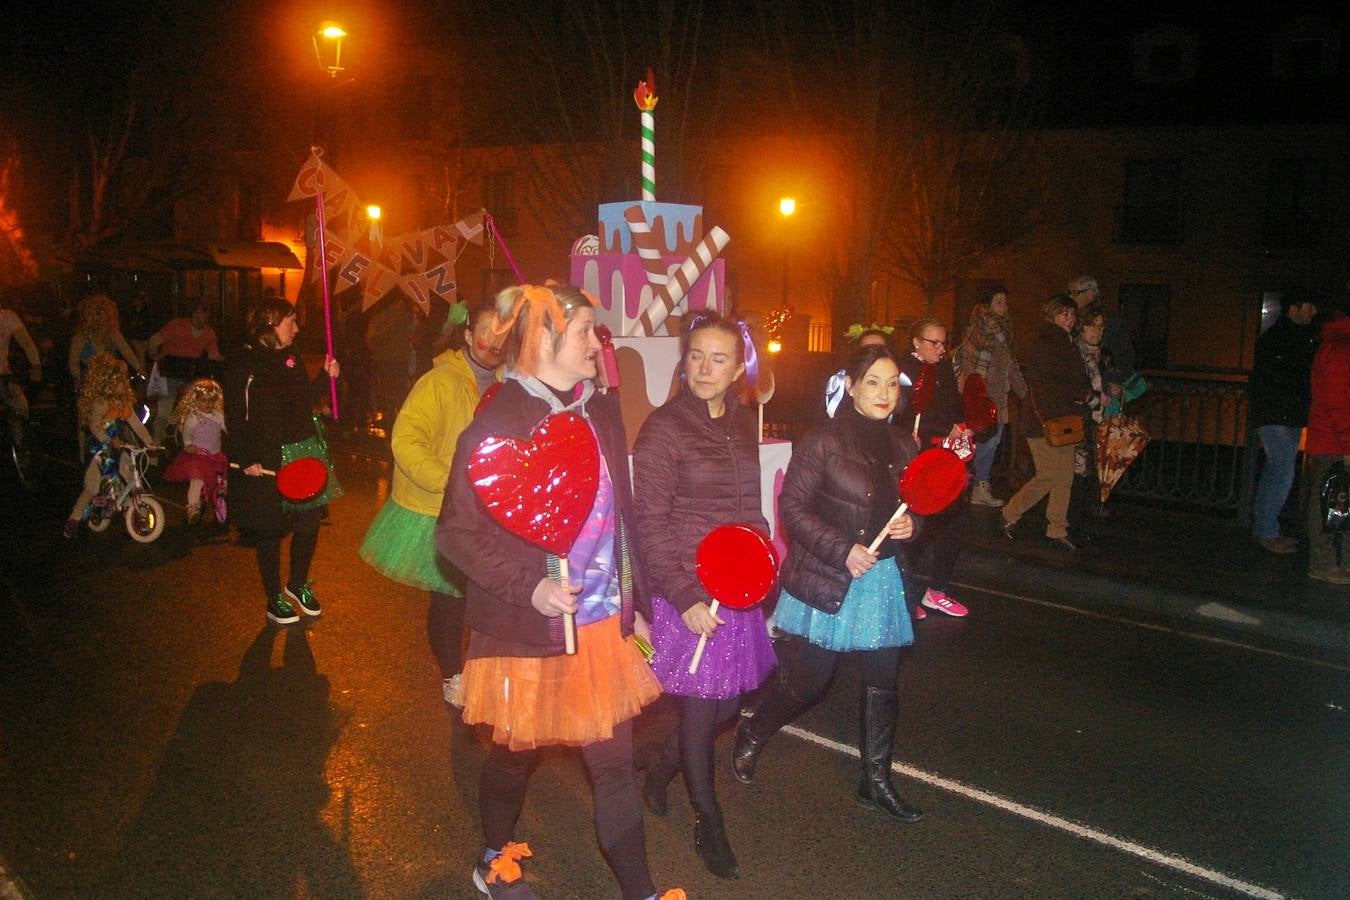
x=573, y=700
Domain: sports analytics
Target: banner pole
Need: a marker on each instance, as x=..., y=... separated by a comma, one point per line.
x=322, y=263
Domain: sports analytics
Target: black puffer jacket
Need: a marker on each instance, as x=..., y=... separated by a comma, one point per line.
x=837, y=493
x=1280, y=387
x=691, y=473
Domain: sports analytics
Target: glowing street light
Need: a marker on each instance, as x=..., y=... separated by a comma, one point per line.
x=373, y=212
x=328, y=41
x=775, y=345
x=787, y=206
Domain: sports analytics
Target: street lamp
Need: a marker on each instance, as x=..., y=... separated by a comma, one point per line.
x=787, y=206
x=328, y=42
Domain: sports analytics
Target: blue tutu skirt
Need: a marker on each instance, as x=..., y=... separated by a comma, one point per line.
x=737, y=659
x=872, y=616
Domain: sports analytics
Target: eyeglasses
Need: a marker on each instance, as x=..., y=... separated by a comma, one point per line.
x=934, y=342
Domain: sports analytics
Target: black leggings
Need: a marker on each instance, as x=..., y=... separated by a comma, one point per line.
x=445, y=632
x=618, y=814
x=304, y=528
x=941, y=538
x=809, y=672
x=690, y=746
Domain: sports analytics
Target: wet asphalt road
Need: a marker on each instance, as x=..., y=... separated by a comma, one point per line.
x=157, y=739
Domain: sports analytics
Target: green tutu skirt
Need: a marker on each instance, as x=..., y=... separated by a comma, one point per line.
x=401, y=544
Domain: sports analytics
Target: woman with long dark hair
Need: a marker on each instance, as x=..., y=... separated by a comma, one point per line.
x=838, y=596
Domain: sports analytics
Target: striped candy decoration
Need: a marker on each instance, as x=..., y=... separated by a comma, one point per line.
x=647, y=246
x=669, y=297
x=648, y=156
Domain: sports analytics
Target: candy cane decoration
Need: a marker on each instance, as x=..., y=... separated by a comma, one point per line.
x=669, y=297
x=647, y=246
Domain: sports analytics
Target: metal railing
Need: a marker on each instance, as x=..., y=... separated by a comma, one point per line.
x=1200, y=455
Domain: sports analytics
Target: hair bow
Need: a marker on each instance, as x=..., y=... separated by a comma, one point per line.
x=855, y=331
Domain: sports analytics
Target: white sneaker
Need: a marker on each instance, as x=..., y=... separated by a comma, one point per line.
x=452, y=689
x=982, y=495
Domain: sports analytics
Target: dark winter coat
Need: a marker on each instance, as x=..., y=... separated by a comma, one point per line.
x=269, y=401
x=1280, y=386
x=946, y=408
x=1057, y=382
x=692, y=473
x=839, y=491
x=503, y=569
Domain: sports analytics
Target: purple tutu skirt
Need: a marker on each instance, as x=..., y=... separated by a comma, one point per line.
x=737, y=659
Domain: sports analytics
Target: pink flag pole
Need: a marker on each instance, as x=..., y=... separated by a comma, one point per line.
x=327, y=298
x=497, y=236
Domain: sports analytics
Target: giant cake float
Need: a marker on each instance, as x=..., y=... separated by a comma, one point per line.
x=650, y=265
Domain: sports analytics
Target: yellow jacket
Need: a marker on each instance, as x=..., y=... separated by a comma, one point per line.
x=436, y=410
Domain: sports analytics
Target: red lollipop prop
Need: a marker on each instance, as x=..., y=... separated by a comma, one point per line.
x=928, y=485
x=542, y=489
x=925, y=386
x=299, y=481
x=738, y=566
x=981, y=412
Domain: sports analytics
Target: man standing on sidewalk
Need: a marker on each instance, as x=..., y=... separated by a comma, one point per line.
x=1279, y=391
x=1328, y=438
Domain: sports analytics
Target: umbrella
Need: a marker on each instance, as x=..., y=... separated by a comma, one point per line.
x=1119, y=440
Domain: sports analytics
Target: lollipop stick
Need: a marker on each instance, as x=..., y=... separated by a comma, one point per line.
x=261, y=471
x=900, y=511
x=569, y=619
x=917, y=417
x=702, y=643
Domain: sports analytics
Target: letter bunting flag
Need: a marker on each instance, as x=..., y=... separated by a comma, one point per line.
x=421, y=264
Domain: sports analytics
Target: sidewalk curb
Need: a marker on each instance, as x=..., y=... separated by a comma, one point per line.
x=982, y=566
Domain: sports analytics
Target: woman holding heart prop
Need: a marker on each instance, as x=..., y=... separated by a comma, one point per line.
x=695, y=467
x=838, y=596
x=518, y=678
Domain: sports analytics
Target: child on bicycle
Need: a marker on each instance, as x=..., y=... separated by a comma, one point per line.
x=200, y=420
x=105, y=407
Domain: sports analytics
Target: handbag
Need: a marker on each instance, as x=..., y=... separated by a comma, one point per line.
x=314, y=447
x=1334, y=495
x=1061, y=431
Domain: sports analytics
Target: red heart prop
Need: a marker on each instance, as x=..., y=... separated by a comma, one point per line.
x=981, y=412
x=737, y=565
x=925, y=385
x=932, y=481
x=543, y=489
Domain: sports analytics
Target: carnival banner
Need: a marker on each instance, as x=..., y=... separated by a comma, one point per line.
x=421, y=264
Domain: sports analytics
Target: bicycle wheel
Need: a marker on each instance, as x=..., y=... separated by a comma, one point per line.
x=145, y=519
x=98, y=523
x=21, y=453
x=222, y=511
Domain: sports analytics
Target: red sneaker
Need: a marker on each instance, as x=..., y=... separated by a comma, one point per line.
x=937, y=600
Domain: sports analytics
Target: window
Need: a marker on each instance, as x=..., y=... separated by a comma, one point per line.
x=1165, y=55
x=1295, y=213
x=1146, y=308
x=1306, y=49
x=499, y=200
x=1150, y=211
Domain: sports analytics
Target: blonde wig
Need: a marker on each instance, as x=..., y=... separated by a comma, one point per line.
x=202, y=396
x=105, y=382
x=98, y=318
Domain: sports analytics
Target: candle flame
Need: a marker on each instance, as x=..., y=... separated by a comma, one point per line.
x=645, y=93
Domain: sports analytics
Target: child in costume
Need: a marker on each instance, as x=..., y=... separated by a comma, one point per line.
x=695, y=467
x=200, y=420
x=518, y=679
x=105, y=410
x=838, y=596
x=401, y=543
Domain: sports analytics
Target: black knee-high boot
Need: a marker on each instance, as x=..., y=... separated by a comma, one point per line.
x=779, y=707
x=876, y=738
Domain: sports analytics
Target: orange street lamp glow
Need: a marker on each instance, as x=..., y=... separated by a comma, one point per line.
x=775, y=345
x=373, y=212
x=787, y=206
x=328, y=41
